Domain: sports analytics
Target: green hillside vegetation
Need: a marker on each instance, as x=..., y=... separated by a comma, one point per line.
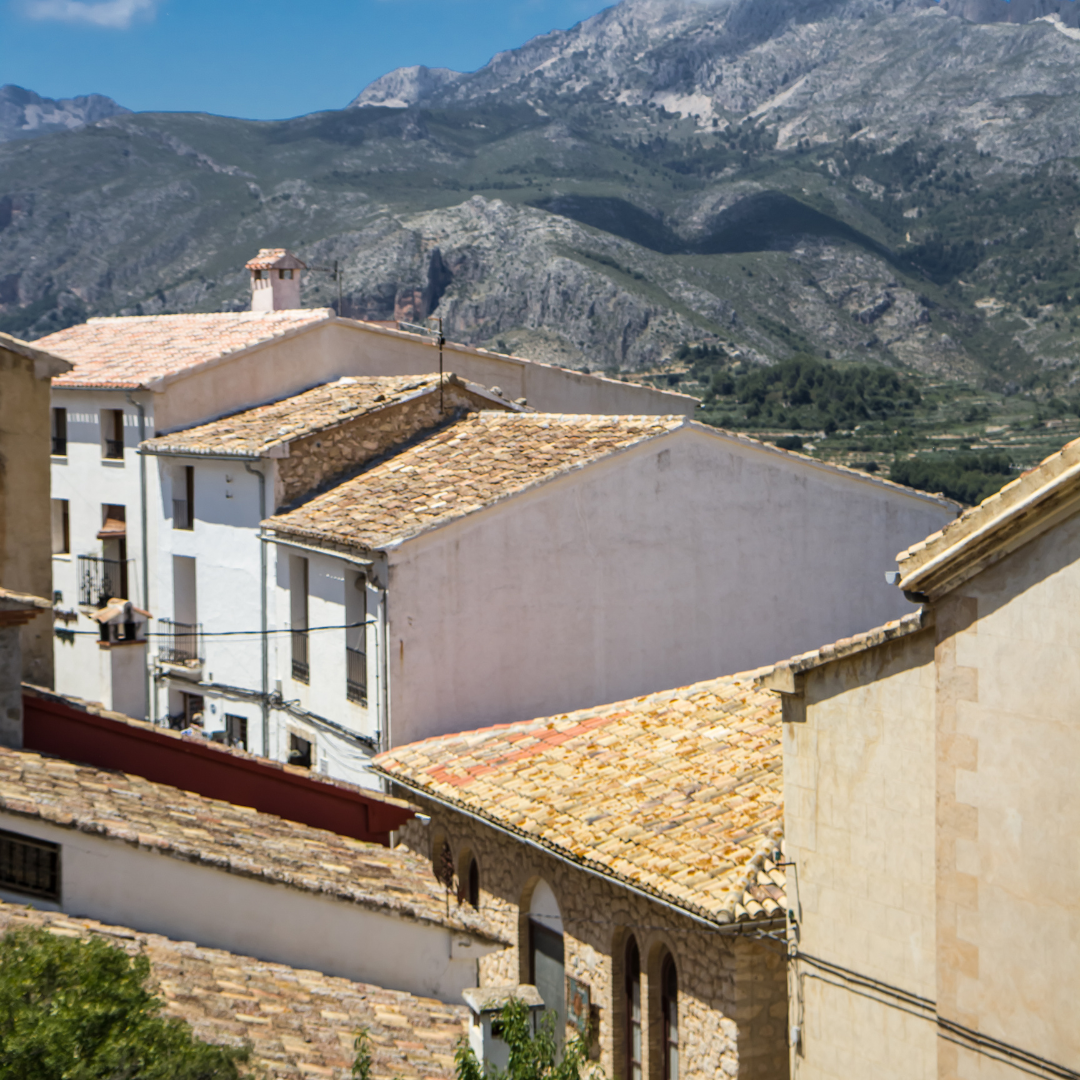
x=948, y=437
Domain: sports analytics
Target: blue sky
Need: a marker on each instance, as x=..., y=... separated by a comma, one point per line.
x=262, y=59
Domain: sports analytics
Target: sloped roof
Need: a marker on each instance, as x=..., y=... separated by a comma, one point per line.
x=45, y=364
x=679, y=794
x=465, y=467
x=253, y=432
x=275, y=259
x=235, y=839
x=300, y=1024
x=129, y=351
x=1001, y=523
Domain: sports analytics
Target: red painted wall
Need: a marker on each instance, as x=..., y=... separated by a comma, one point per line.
x=58, y=727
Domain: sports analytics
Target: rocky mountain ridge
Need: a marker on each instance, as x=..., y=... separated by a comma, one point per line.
x=868, y=180
x=26, y=115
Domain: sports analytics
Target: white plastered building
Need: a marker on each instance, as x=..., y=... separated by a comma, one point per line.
x=521, y=565
x=138, y=377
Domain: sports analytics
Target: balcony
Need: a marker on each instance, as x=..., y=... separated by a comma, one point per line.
x=180, y=643
x=114, y=449
x=100, y=580
x=356, y=676
x=300, y=670
x=181, y=514
x=59, y=446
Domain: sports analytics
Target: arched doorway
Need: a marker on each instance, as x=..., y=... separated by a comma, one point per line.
x=632, y=1002
x=547, y=970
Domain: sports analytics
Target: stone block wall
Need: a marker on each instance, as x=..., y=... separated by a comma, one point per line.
x=732, y=989
x=328, y=454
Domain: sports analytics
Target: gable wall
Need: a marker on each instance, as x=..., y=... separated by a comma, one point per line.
x=687, y=557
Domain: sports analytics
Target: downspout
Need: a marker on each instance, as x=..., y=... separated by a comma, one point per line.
x=265, y=698
x=151, y=693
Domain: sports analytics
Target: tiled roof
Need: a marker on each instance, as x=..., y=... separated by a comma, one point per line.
x=679, y=794
x=273, y=258
x=999, y=524
x=467, y=466
x=300, y=1024
x=235, y=839
x=254, y=431
x=133, y=350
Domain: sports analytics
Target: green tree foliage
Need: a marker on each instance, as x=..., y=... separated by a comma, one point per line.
x=80, y=1010
x=532, y=1057
x=804, y=392
x=966, y=477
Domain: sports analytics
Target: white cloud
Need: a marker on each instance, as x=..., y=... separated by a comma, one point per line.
x=115, y=14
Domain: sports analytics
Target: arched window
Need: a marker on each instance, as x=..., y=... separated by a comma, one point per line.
x=633, y=1011
x=669, y=1009
x=473, y=890
x=546, y=957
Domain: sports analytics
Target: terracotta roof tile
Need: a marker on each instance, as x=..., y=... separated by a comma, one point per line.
x=239, y=839
x=679, y=793
x=133, y=350
x=254, y=431
x=299, y=1023
x=464, y=467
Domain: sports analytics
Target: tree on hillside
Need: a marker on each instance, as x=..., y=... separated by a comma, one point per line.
x=80, y=1010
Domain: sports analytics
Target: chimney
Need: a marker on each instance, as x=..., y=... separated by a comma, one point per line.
x=275, y=280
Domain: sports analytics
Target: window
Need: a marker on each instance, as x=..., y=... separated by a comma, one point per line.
x=183, y=504
x=285, y=275
x=29, y=866
x=546, y=959
x=633, y=1011
x=355, y=641
x=185, y=594
x=669, y=1009
x=299, y=752
x=472, y=891
x=59, y=432
x=298, y=601
x=113, y=533
x=112, y=434
x=61, y=527
x=236, y=731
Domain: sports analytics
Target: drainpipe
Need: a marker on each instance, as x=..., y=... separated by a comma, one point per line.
x=265, y=698
x=150, y=688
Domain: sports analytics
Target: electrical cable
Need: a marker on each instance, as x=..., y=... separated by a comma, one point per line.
x=256, y=634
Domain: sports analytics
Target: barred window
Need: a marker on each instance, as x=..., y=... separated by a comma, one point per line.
x=29, y=866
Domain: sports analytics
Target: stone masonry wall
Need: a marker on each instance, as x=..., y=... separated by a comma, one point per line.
x=327, y=454
x=732, y=990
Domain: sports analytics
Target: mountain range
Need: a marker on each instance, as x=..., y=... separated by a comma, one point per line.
x=892, y=181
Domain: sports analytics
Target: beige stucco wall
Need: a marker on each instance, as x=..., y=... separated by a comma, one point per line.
x=25, y=523
x=682, y=559
x=300, y=360
x=859, y=803
x=932, y=810
x=732, y=990
x=1008, y=836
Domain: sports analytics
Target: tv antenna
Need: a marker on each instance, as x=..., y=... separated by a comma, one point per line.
x=435, y=332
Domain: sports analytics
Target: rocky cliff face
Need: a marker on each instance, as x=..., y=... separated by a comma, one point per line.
x=890, y=180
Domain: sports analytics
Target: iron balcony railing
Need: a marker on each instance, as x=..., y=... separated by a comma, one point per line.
x=300, y=670
x=59, y=445
x=356, y=676
x=180, y=643
x=114, y=448
x=181, y=514
x=100, y=580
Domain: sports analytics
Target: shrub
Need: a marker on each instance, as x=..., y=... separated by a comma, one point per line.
x=967, y=477
x=80, y=1010
x=532, y=1057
